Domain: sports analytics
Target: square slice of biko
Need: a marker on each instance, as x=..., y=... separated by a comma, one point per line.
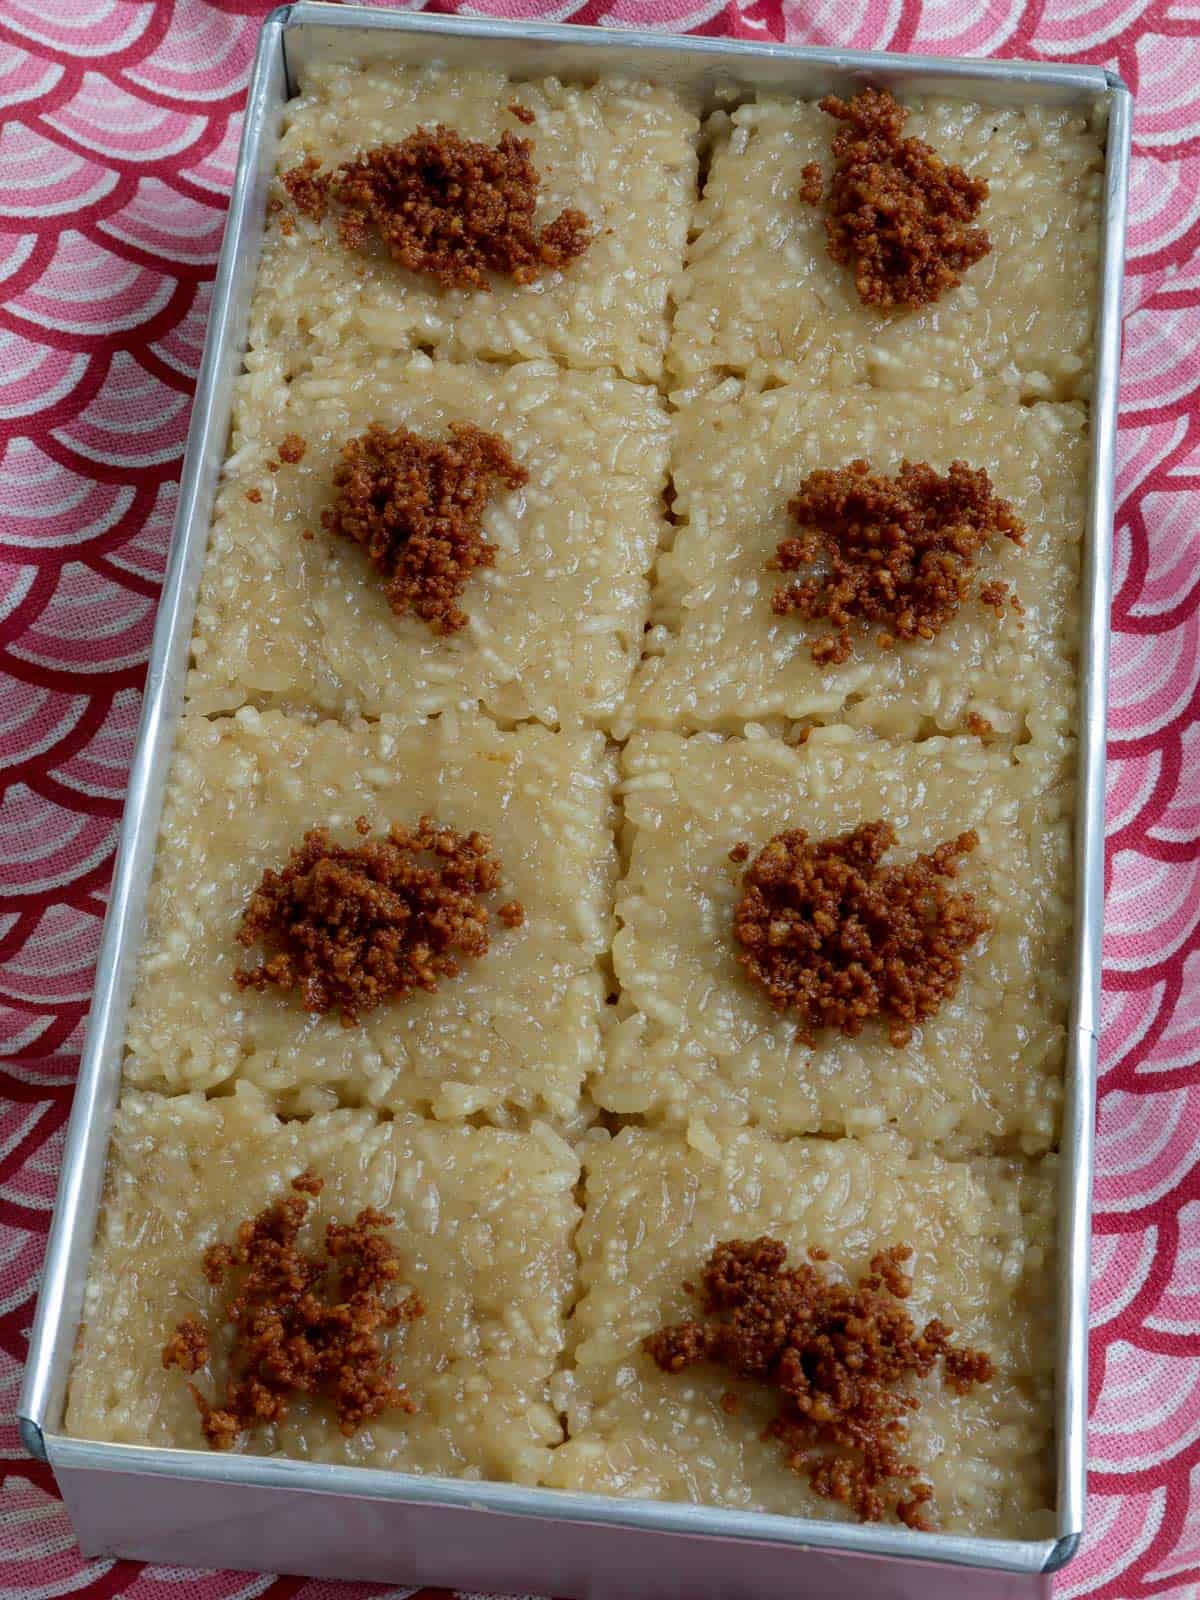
x=506, y=1037
x=311, y=590
x=622, y=154
x=1000, y=659
x=963, y=1049
x=658, y=1204
x=762, y=298
x=480, y=1228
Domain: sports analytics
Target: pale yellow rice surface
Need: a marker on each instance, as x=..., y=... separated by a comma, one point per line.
x=761, y=296
x=722, y=658
x=483, y=1228
x=510, y=1037
x=554, y=627
x=697, y=1038
x=657, y=1203
x=775, y=366
x=623, y=153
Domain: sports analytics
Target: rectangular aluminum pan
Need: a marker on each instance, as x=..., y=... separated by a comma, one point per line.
x=189, y=1507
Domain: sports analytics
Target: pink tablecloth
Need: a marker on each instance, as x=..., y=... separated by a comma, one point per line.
x=117, y=145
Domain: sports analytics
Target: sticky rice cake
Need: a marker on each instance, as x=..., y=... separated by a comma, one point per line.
x=696, y=1037
x=511, y=1037
x=655, y=1204
x=483, y=1227
x=717, y=657
x=761, y=299
x=623, y=153
x=292, y=615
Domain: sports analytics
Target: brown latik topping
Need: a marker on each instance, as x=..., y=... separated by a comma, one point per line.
x=836, y=939
x=522, y=113
x=963, y=1369
x=452, y=208
x=416, y=506
x=216, y=1262
x=291, y=448
x=307, y=188
x=897, y=213
x=810, y=183
x=295, y=1331
x=839, y=1360
x=995, y=596
x=354, y=927
x=898, y=551
x=979, y=725
x=187, y=1348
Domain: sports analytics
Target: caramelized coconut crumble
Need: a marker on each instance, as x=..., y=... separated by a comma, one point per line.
x=837, y=1359
x=187, y=1348
x=216, y=1261
x=810, y=183
x=353, y=927
x=452, y=208
x=897, y=213
x=416, y=507
x=295, y=1332
x=307, y=189
x=511, y=913
x=996, y=595
x=899, y=551
x=836, y=939
x=292, y=448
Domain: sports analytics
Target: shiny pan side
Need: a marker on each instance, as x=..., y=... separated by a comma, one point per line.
x=193, y=1508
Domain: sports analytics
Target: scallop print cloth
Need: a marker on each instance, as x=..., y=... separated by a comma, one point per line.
x=118, y=137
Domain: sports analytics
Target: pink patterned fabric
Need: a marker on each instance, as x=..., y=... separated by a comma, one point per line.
x=117, y=144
